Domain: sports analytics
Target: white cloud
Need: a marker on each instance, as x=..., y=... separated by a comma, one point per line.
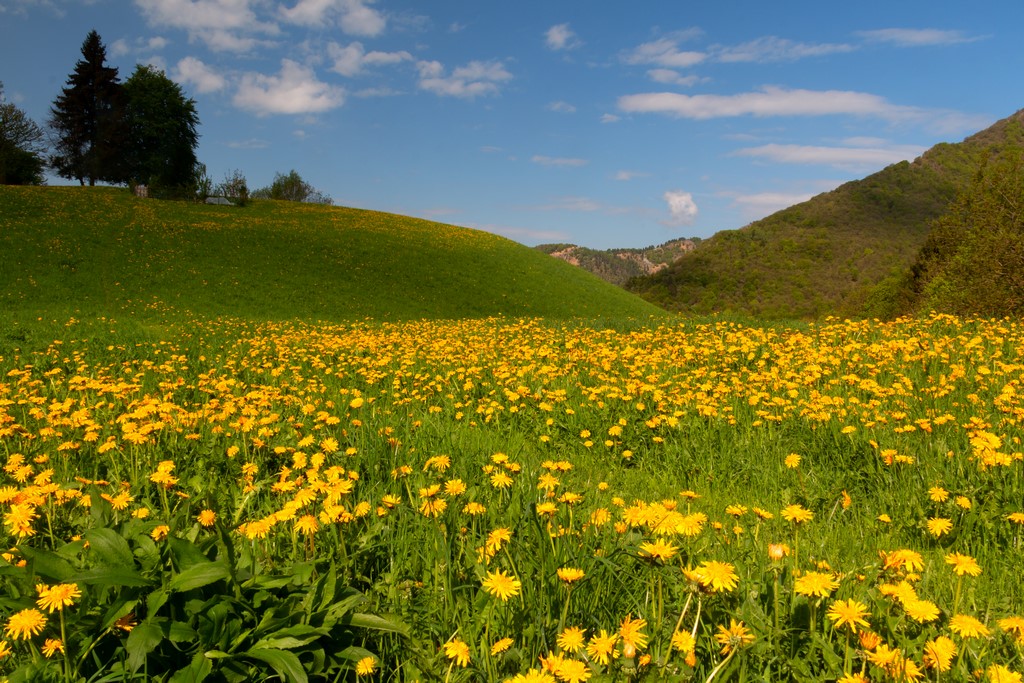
x=560, y=106
x=775, y=49
x=561, y=37
x=474, y=79
x=558, y=161
x=681, y=208
x=294, y=90
x=354, y=16
x=673, y=77
x=664, y=52
x=769, y=101
x=629, y=175
x=840, y=157
x=609, y=118
x=916, y=37
x=761, y=204
x=376, y=92
x=350, y=60
x=251, y=143
x=193, y=71
x=218, y=23
x=123, y=47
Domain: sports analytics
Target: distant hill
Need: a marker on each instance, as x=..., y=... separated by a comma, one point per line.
x=102, y=252
x=618, y=266
x=846, y=251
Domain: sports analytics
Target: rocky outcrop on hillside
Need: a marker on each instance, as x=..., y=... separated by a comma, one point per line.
x=620, y=265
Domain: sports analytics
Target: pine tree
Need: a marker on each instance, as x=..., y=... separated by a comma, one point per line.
x=87, y=118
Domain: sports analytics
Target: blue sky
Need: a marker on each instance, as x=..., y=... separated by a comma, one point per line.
x=605, y=124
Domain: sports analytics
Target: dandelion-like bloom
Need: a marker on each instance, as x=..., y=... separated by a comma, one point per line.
x=457, y=651
x=869, y=640
x=56, y=598
x=501, y=585
x=939, y=526
x=921, y=611
x=454, y=487
x=532, y=676
x=1015, y=626
x=684, y=642
x=997, y=673
x=25, y=624
x=207, y=518
x=797, y=514
x=500, y=646
x=939, y=653
x=659, y=550
x=52, y=646
x=572, y=671
x=963, y=564
x=937, y=494
x=717, y=576
x=500, y=480
x=793, y=461
x=631, y=632
x=850, y=613
x=570, y=575
x=160, y=532
x=734, y=637
x=366, y=666
x=602, y=647
x=571, y=639
x=306, y=524
x=1015, y=517
x=817, y=584
x=777, y=551
x=967, y=626
x=853, y=678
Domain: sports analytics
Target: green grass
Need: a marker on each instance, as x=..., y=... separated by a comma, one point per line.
x=101, y=252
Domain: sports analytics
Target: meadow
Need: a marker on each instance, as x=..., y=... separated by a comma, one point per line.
x=510, y=498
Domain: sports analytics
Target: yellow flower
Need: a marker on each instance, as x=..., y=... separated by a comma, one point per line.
x=997, y=673
x=967, y=626
x=797, y=514
x=939, y=653
x=815, y=584
x=52, y=646
x=366, y=666
x=602, y=647
x=572, y=671
x=683, y=641
x=306, y=524
x=717, y=576
x=659, y=550
x=571, y=639
x=937, y=494
x=457, y=651
x=56, y=598
x=160, y=532
x=25, y=624
x=207, y=518
x=500, y=646
x=850, y=613
x=501, y=585
x=631, y=632
x=921, y=611
x=963, y=564
x=5, y=649
x=777, y=551
x=939, y=526
x=569, y=574
x=734, y=637
x=792, y=461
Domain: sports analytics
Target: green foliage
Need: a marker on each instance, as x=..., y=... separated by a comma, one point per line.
x=88, y=120
x=234, y=188
x=836, y=253
x=160, y=126
x=973, y=260
x=291, y=187
x=21, y=146
x=79, y=251
x=618, y=266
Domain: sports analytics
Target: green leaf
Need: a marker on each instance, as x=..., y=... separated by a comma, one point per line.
x=110, y=546
x=156, y=600
x=117, y=610
x=112, y=576
x=196, y=671
x=377, y=623
x=141, y=641
x=285, y=663
x=199, y=575
x=178, y=631
x=291, y=637
x=47, y=564
x=186, y=554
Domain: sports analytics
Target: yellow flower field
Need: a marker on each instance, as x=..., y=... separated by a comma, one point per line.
x=516, y=500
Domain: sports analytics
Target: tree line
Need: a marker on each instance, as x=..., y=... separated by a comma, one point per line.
x=143, y=131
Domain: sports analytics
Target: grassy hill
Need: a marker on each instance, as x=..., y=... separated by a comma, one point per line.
x=101, y=251
x=844, y=251
x=618, y=266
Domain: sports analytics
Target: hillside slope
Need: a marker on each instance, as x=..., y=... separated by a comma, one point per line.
x=101, y=251
x=618, y=266
x=836, y=252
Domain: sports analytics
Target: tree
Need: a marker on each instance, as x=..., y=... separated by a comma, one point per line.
x=87, y=119
x=160, y=125
x=292, y=188
x=22, y=146
x=234, y=188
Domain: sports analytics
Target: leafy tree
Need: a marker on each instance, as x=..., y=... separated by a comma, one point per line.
x=87, y=119
x=234, y=188
x=22, y=146
x=160, y=125
x=292, y=188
